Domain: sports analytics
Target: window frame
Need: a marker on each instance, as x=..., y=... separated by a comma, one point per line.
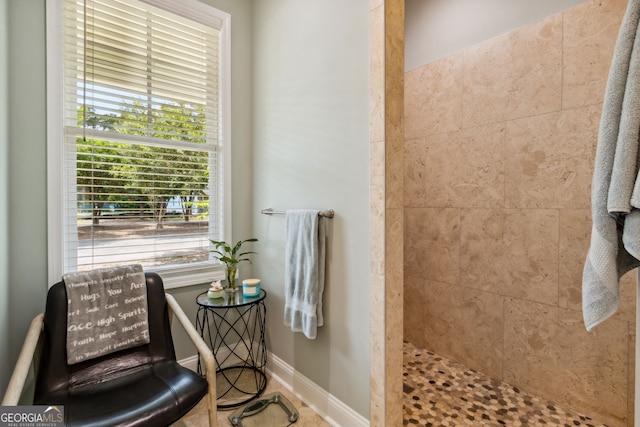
x=173, y=277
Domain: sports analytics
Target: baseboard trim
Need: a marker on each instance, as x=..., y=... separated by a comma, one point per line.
x=190, y=362
x=329, y=407
x=332, y=409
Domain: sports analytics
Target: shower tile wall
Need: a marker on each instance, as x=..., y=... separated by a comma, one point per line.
x=386, y=32
x=500, y=142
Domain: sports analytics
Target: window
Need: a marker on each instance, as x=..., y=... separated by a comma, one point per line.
x=138, y=139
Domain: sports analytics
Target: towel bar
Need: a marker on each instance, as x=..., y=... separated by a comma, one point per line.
x=328, y=213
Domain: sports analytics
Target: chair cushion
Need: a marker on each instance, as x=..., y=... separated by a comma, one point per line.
x=53, y=371
x=154, y=395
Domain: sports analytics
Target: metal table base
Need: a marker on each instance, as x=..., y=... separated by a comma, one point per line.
x=234, y=327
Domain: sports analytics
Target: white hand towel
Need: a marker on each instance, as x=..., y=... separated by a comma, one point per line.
x=304, y=270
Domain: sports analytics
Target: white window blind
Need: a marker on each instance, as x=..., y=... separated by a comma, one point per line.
x=142, y=135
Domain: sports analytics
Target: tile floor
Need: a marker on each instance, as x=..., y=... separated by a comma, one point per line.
x=439, y=392
x=270, y=417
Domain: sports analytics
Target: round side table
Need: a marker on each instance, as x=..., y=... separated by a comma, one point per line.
x=234, y=327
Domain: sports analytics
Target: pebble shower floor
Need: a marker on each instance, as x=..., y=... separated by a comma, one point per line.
x=439, y=392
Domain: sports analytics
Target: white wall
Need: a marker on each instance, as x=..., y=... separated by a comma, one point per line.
x=435, y=29
x=27, y=207
x=311, y=150
x=241, y=110
x=4, y=199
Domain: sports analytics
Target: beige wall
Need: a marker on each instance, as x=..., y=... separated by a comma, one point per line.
x=500, y=141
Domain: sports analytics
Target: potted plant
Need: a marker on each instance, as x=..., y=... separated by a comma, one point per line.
x=231, y=256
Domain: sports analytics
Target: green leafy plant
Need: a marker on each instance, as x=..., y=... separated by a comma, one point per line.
x=229, y=255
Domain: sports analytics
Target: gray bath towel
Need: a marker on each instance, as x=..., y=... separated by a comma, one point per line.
x=304, y=270
x=106, y=311
x=615, y=193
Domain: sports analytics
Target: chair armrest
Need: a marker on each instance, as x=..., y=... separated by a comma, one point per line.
x=205, y=353
x=23, y=364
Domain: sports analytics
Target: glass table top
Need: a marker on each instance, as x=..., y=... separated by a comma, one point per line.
x=229, y=299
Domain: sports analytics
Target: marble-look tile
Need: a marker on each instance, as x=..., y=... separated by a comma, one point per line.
x=387, y=30
x=627, y=287
x=631, y=385
x=432, y=243
x=514, y=75
x=415, y=166
x=377, y=206
x=378, y=345
x=535, y=249
x=590, y=31
x=573, y=244
x=394, y=249
x=393, y=323
x=377, y=354
x=414, y=316
x=377, y=212
x=376, y=75
x=394, y=36
x=394, y=141
x=433, y=98
x=465, y=325
x=548, y=352
x=394, y=287
x=511, y=252
x=550, y=159
x=394, y=104
x=460, y=169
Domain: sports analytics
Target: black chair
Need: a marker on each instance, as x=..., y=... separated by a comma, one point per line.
x=139, y=386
